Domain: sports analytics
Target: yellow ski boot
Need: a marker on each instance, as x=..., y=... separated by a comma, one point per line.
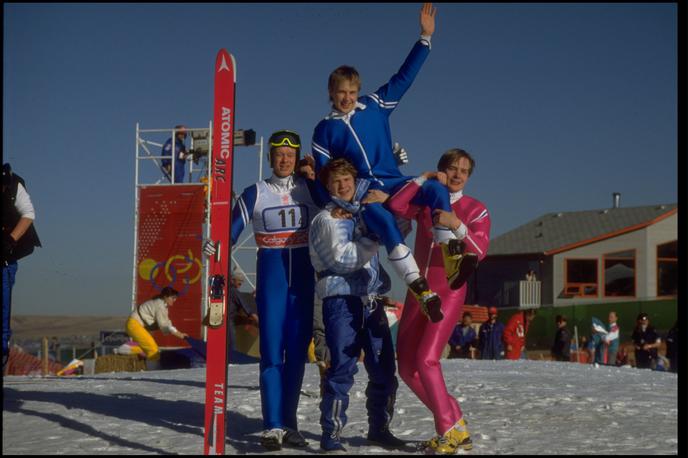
x=429, y=444
x=458, y=265
x=454, y=439
x=430, y=302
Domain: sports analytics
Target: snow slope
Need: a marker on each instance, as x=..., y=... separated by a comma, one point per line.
x=513, y=407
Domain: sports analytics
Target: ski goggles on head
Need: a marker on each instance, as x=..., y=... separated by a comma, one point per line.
x=285, y=138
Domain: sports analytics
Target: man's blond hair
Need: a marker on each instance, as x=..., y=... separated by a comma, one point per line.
x=342, y=73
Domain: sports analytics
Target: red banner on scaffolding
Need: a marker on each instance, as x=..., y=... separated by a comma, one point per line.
x=169, y=243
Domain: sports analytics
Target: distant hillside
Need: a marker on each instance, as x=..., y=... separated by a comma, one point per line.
x=36, y=326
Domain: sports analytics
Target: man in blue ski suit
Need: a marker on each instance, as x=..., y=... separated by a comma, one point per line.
x=180, y=155
x=358, y=130
x=463, y=338
x=281, y=209
x=349, y=281
x=490, y=337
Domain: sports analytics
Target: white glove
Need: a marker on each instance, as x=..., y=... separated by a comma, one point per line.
x=209, y=247
x=400, y=154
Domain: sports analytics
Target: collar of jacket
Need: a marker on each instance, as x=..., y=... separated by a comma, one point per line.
x=454, y=196
x=283, y=184
x=354, y=206
x=336, y=114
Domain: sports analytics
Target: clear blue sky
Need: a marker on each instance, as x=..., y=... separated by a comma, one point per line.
x=560, y=104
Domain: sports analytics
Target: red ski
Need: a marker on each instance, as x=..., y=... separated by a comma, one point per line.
x=219, y=217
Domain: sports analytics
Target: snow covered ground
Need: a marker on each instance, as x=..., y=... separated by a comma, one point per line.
x=512, y=407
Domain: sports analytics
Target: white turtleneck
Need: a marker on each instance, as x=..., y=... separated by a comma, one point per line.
x=281, y=184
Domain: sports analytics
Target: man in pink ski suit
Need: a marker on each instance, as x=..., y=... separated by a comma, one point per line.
x=420, y=342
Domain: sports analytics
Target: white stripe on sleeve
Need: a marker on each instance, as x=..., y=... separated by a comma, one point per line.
x=382, y=103
x=480, y=216
x=244, y=212
x=468, y=237
x=319, y=149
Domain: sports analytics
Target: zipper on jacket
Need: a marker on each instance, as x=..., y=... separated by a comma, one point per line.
x=365, y=156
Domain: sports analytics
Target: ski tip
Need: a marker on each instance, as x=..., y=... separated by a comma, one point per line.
x=223, y=61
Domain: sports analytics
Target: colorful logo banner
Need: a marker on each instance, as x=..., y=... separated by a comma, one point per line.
x=170, y=236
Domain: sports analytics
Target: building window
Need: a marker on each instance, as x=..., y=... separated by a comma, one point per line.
x=619, y=273
x=581, y=277
x=667, y=269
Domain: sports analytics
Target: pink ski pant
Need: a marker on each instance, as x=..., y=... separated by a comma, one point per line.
x=419, y=347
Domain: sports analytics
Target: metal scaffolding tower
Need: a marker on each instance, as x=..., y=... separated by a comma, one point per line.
x=149, y=172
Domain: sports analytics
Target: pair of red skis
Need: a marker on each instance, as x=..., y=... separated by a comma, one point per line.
x=220, y=188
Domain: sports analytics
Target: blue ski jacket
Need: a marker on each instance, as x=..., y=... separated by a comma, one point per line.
x=463, y=336
x=363, y=136
x=345, y=258
x=490, y=340
x=179, y=162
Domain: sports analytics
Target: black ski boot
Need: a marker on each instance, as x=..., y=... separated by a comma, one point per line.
x=430, y=302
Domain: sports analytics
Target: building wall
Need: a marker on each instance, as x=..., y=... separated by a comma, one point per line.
x=658, y=234
x=644, y=241
x=498, y=276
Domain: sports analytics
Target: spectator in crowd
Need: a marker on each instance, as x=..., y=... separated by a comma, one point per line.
x=178, y=151
x=621, y=357
x=515, y=333
x=490, y=337
x=55, y=348
x=597, y=341
x=672, y=348
x=19, y=238
x=611, y=339
x=561, y=349
x=393, y=310
x=240, y=312
x=646, y=342
x=662, y=364
x=586, y=350
x=582, y=349
x=322, y=352
x=153, y=315
x=464, y=339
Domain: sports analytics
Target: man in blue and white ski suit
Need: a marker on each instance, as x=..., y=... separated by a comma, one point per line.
x=281, y=209
x=349, y=281
x=180, y=155
x=358, y=129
